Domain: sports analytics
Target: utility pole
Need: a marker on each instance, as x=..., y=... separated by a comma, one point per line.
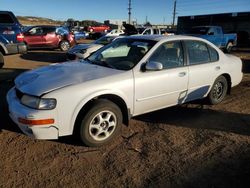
x=129, y=11
x=174, y=13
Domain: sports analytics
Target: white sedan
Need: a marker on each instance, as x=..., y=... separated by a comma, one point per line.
x=82, y=51
x=131, y=76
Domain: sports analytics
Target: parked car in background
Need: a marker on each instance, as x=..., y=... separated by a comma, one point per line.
x=168, y=32
x=115, y=32
x=128, y=77
x=11, y=36
x=80, y=35
x=149, y=31
x=129, y=29
x=45, y=36
x=99, y=29
x=81, y=51
x=215, y=35
x=132, y=30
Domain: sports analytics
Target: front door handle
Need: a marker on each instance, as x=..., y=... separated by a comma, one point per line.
x=181, y=74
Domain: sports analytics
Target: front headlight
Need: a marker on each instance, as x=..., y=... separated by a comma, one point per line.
x=38, y=103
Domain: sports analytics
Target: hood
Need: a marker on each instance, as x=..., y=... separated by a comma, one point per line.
x=47, y=79
x=79, y=47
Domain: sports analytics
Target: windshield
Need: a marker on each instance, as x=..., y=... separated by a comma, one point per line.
x=122, y=54
x=199, y=30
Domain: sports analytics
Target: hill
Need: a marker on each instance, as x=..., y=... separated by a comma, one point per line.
x=31, y=20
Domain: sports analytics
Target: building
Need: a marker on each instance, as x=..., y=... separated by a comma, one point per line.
x=237, y=22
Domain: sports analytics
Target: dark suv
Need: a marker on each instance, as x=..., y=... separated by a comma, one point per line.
x=11, y=37
x=42, y=36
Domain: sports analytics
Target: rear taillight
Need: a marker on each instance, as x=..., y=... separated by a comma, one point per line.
x=20, y=37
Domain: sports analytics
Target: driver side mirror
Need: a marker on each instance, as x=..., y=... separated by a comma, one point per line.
x=153, y=66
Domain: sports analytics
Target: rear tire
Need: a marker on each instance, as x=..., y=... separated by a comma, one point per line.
x=1, y=60
x=64, y=45
x=101, y=123
x=218, y=90
x=229, y=47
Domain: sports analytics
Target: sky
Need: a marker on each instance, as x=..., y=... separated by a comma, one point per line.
x=154, y=11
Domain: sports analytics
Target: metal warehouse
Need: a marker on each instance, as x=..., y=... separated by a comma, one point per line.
x=238, y=22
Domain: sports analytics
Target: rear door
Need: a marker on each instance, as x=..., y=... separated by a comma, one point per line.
x=50, y=36
x=204, y=68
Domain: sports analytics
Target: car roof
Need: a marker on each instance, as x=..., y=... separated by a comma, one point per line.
x=164, y=37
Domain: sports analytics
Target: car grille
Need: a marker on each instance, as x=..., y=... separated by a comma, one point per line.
x=19, y=94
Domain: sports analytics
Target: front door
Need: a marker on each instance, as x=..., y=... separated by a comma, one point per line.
x=158, y=89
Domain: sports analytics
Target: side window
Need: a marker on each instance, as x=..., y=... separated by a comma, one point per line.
x=48, y=30
x=170, y=54
x=214, y=56
x=211, y=31
x=156, y=31
x=36, y=31
x=197, y=52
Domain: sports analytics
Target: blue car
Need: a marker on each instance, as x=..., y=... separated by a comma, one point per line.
x=11, y=36
x=80, y=35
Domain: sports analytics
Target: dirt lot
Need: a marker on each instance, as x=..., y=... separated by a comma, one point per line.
x=192, y=145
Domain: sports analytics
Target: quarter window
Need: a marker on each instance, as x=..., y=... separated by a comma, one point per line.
x=213, y=54
x=169, y=54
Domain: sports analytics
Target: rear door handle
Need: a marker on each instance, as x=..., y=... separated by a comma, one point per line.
x=181, y=74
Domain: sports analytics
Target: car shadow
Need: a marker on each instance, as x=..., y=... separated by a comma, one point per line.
x=231, y=169
x=246, y=65
x=195, y=116
x=50, y=56
x=242, y=49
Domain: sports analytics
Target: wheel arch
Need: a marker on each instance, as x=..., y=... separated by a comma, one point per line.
x=120, y=102
x=63, y=40
x=229, y=82
x=3, y=49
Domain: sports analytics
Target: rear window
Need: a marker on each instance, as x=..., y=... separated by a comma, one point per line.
x=6, y=19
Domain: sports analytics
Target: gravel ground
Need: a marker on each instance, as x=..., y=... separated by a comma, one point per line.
x=192, y=145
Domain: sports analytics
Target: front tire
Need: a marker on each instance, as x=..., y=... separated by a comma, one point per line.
x=64, y=45
x=101, y=123
x=218, y=90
